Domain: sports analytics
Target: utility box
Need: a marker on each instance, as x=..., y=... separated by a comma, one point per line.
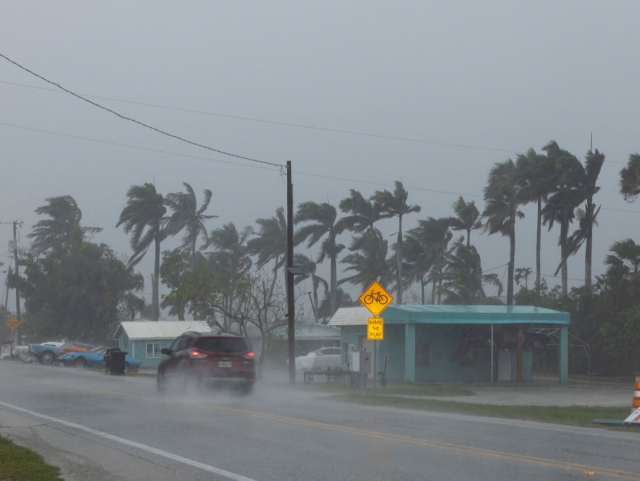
x=5, y=350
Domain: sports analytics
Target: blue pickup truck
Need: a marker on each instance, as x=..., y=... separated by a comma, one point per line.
x=47, y=353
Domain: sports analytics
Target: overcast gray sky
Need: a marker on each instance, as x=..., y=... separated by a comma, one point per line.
x=503, y=75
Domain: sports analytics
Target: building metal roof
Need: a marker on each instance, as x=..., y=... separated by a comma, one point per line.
x=452, y=314
x=311, y=332
x=160, y=329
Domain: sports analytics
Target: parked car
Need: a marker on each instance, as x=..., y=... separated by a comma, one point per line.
x=94, y=358
x=319, y=360
x=75, y=347
x=46, y=352
x=206, y=358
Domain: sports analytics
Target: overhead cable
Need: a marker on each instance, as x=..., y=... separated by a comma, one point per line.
x=136, y=121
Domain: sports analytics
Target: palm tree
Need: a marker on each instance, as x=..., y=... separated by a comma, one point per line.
x=309, y=268
x=623, y=270
x=368, y=260
x=630, y=178
x=587, y=217
x=466, y=218
x=434, y=234
x=536, y=181
x=418, y=261
x=143, y=217
x=186, y=215
x=362, y=213
x=65, y=217
x=565, y=197
x=501, y=197
x=271, y=242
x=395, y=205
x=321, y=220
x=463, y=278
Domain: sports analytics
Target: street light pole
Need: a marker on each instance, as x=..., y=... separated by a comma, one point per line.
x=291, y=308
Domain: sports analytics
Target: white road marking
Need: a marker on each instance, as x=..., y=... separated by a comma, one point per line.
x=159, y=452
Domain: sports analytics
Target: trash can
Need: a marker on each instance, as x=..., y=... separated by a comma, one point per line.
x=7, y=350
x=117, y=363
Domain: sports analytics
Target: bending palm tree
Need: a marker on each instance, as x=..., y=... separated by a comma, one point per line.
x=362, y=213
x=65, y=221
x=418, y=261
x=395, y=205
x=630, y=178
x=143, y=217
x=309, y=268
x=501, y=196
x=322, y=222
x=587, y=217
x=368, y=261
x=271, y=243
x=186, y=215
x=466, y=217
x=562, y=202
x=536, y=179
x=435, y=235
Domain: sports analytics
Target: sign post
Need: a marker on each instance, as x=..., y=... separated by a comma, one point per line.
x=376, y=299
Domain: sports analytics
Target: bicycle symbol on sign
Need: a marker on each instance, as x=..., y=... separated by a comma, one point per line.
x=379, y=297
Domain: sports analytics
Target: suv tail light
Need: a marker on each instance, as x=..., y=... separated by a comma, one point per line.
x=197, y=355
x=250, y=355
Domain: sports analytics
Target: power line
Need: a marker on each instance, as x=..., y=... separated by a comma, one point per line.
x=136, y=121
x=309, y=174
x=285, y=124
x=135, y=147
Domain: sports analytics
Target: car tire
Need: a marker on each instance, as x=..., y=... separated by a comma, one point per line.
x=246, y=389
x=161, y=382
x=47, y=357
x=80, y=363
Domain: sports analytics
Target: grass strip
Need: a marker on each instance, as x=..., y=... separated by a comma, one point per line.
x=22, y=464
x=569, y=415
x=390, y=389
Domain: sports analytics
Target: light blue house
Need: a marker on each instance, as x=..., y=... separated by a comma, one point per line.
x=143, y=340
x=452, y=343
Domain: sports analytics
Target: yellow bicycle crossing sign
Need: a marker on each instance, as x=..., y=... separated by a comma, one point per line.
x=376, y=298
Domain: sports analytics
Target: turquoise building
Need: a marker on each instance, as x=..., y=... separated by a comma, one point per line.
x=143, y=340
x=452, y=343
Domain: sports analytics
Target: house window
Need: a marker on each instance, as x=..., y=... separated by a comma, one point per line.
x=153, y=349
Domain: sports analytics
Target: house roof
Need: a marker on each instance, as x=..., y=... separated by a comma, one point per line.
x=452, y=314
x=311, y=332
x=160, y=329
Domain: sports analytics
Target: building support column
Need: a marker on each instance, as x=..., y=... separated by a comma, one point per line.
x=563, y=358
x=410, y=353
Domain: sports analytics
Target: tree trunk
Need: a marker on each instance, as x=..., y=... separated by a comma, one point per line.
x=511, y=269
x=155, y=310
x=399, y=261
x=564, y=230
x=538, y=243
x=589, y=242
x=333, y=285
x=468, y=237
x=440, y=288
x=315, y=298
x=192, y=262
x=433, y=291
x=422, y=289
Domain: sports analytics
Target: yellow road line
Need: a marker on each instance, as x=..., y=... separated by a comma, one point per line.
x=545, y=462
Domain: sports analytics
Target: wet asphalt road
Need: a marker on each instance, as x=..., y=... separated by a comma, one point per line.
x=113, y=428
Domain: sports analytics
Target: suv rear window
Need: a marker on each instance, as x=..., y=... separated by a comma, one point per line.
x=221, y=344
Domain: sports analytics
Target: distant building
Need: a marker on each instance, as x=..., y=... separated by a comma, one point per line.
x=143, y=340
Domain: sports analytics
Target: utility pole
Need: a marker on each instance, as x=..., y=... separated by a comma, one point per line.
x=15, y=258
x=291, y=307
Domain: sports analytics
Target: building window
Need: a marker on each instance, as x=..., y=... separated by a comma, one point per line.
x=153, y=349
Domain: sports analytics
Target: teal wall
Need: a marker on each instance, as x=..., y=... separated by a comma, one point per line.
x=435, y=345
x=138, y=349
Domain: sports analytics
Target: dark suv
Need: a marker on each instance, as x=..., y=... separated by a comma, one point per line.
x=205, y=358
